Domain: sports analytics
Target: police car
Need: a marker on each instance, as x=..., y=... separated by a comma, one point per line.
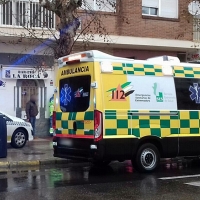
x=18, y=131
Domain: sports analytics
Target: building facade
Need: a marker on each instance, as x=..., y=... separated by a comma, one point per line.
x=26, y=66
x=137, y=29
x=146, y=28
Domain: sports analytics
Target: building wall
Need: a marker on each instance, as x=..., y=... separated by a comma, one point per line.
x=129, y=22
x=141, y=54
x=25, y=57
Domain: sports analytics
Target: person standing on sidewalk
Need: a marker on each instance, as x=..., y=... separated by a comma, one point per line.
x=32, y=112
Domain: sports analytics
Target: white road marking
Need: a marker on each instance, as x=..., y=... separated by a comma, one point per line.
x=179, y=177
x=194, y=183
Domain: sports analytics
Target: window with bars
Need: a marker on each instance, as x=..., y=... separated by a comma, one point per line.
x=99, y=5
x=26, y=13
x=160, y=8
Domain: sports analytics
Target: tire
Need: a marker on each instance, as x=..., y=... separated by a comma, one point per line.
x=19, y=138
x=147, y=158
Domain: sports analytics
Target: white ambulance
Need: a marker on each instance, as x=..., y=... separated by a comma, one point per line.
x=111, y=108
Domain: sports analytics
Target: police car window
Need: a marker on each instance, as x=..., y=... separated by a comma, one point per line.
x=188, y=93
x=75, y=93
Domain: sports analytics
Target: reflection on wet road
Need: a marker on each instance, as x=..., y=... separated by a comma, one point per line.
x=117, y=181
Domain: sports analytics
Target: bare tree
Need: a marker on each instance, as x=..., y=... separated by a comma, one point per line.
x=67, y=32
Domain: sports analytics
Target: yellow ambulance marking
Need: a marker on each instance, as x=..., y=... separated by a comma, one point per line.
x=112, y=123
x=157, y=67
x=184, y=131
x=149, y=69
x=145, y=132
x=117, y=64
x=178, y=68
x=138, y=65
x=194, y=123
x=184, y=115
x=188, y=72
x=165, y=117
x=174, y=123
x=58, y=124
x=158, y=74
x=138, y=73
x=143, y=116
x=155, y=125
x=165, y=132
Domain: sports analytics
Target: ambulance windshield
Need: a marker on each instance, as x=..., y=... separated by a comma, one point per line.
x=75, y=93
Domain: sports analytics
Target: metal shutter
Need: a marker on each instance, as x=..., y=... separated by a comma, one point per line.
x=150, y=3
x=168, y=8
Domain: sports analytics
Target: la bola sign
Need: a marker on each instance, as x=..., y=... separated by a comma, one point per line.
x=24, y=74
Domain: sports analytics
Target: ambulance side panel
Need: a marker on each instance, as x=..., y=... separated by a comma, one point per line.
x=187, y=81
x=139, y=106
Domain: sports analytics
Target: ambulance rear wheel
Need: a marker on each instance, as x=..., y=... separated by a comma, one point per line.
x=147, y=158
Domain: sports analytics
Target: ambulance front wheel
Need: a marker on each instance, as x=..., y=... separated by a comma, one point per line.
x=147, y=158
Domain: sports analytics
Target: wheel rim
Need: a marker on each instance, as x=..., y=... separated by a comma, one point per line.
x=20, y=139
x=148, y=159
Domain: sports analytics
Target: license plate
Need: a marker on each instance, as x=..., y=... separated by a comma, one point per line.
x=66, y=142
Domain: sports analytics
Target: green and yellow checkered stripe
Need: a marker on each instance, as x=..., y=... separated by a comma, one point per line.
x=117, y=124
x=153, y=123
x=187, y=72
x=154, y=70
x=137, y=69
x=189, y=122
x=84, y=120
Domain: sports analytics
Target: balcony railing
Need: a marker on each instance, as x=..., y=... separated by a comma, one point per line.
x=26, y=14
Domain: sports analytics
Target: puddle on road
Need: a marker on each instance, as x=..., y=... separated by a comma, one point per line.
x=34, y=177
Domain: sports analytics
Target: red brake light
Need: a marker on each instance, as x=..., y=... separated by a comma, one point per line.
x=98, y=125
x=54, y=120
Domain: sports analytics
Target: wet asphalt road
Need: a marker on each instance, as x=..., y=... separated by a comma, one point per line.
x=117, y=181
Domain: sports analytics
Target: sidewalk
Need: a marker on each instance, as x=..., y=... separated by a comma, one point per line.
x=36, y=152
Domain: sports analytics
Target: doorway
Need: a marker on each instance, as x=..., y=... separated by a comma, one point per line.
x=28, y=88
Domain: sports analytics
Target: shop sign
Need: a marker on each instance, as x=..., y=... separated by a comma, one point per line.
x=25, y=74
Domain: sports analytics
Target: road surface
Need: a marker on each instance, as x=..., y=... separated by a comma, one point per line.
x=82, y=181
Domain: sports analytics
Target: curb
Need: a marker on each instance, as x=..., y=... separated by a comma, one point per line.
x=14, y=164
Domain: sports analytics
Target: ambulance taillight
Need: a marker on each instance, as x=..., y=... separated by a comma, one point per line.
x=98, y=125
x=54, y=120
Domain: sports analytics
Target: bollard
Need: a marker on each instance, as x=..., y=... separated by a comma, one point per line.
x=3, y=137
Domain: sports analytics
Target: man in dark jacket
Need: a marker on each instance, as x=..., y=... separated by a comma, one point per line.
x=32, y=111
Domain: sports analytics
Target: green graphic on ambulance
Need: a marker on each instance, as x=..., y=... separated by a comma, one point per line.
x=157, y=92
